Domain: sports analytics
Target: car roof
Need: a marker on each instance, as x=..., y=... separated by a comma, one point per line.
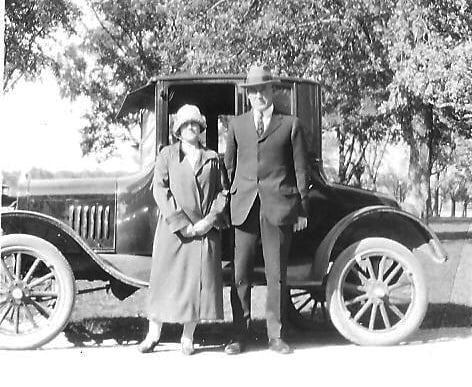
x=144, y=96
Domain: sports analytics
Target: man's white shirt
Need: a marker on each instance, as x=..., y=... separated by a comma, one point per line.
x=266, y=116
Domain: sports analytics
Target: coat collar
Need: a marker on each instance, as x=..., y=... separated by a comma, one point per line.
x=206, y=154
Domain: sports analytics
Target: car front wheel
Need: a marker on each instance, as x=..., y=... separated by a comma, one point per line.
x=37, y=292
x=376, y=292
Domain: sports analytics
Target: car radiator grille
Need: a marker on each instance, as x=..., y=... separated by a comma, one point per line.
x=90, y=222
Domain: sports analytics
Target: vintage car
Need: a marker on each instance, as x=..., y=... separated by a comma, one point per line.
x=361, y=257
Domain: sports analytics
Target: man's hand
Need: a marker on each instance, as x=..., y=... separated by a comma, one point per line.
x=302, y=223
x=202, y=227
x=188, y=232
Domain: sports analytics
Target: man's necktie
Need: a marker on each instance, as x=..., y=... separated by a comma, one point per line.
x=260, y=125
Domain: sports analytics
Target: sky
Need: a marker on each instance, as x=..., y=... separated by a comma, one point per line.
x=41, y=129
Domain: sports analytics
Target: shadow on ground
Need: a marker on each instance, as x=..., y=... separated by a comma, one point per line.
x=130, y=330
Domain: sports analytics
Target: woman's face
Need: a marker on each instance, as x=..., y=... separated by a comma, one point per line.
x=190, y=132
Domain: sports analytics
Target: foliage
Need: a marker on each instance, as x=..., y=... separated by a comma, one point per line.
x=28, y=24
x=390, y=70
x=429, y=54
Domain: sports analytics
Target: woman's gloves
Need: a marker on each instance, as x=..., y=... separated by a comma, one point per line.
x=202, y=227
x=198, y=229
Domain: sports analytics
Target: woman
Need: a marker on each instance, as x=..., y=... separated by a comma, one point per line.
x=186, y=280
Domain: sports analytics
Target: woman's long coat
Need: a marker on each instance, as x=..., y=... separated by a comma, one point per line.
x=186, y=279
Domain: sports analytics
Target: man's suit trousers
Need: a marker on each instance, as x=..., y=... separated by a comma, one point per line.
x=275, y=247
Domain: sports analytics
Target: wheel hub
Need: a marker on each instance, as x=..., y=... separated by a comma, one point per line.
x=17, y=295
x=377, y=290
x=17, y=292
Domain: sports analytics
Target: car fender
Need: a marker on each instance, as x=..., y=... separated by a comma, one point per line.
x=372, y=221
x=60, y=235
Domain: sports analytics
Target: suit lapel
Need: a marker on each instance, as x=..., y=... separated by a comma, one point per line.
x=249, y=127
x=273, y=126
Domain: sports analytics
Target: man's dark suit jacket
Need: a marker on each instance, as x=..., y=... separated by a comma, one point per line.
x=273, y=166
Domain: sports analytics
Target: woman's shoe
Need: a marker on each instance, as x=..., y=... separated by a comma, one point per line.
x=147, y=345
x=187, y=347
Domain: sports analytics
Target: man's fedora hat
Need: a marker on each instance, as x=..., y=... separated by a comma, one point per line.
x=259, y=75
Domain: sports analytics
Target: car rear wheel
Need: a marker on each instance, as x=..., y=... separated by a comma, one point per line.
x=306, y=307
x=37, y=292
x=376, y=292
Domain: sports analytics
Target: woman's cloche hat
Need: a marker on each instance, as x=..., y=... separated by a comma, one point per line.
x=188, y=113
x=259, y=75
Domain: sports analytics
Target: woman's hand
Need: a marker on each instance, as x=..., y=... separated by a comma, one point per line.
x=202, y=227
x=188, y=232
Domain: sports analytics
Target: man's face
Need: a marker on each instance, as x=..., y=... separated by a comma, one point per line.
x=261, y=97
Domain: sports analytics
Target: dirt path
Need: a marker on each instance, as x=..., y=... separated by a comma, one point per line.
x=432, y=357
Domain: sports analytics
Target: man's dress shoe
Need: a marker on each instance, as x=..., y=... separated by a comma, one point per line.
x=279, y=346
x=234, y=347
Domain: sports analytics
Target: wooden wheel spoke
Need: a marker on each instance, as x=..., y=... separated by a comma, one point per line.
x=31, y=270
x=305, y=303
x=40, y=280
x=399, y=285
x=373, y=315
x=313, y=310
x=16, y=318
x=301, y=293
x=384, y=314
x=370, y=268
x=392, y=274
x=356, y=289
x=43, y=294
x=360, y=273
x=6, y=271
x=44, y=311
x=395, y=310
x=381, y=268
x=357, y=299
x=18, y=266
x=29, y=316
x=5, y=312
x=398, y=299
x=362, y=310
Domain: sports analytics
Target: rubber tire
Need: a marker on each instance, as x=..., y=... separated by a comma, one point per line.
x=49, y=254
x=339, y=316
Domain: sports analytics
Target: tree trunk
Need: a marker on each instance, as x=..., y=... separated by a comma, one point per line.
x=453, y=208
x=464, y=209
x=436, y=197
x=416, y=132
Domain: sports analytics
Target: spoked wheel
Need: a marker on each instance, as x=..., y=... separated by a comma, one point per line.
x=306, y=307
x=37, y=292
x=376, y=292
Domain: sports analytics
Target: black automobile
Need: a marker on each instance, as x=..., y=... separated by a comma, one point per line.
x=360, y=258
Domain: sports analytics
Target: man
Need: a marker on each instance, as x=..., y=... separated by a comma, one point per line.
x=266, y=161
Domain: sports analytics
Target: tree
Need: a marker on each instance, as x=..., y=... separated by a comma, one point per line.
x=339, y=45
x=430, y=54
x=28, y=26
